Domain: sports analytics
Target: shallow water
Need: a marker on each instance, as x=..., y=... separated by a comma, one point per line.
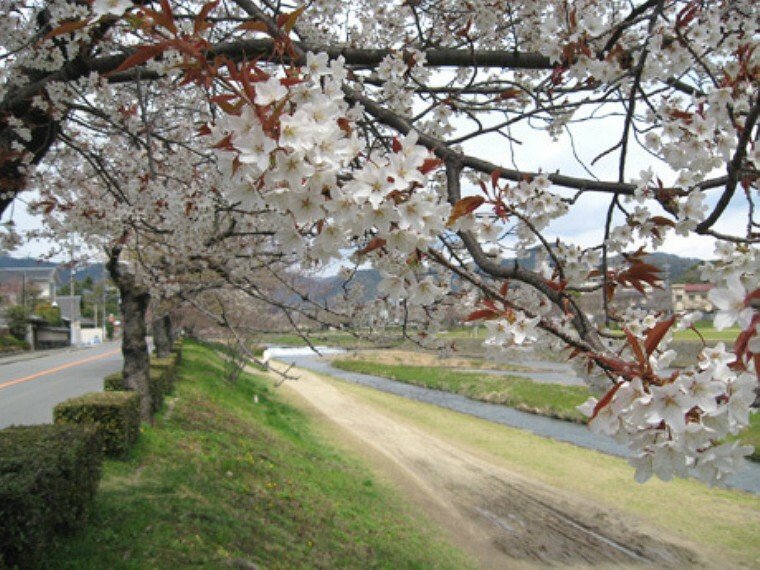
x=577, y=434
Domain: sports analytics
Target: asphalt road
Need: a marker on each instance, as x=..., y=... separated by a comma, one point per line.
x=32, y=384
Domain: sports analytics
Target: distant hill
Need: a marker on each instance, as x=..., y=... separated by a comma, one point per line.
x=9, y=261
x=328, y=288
x=331, y=287
x=676, y=265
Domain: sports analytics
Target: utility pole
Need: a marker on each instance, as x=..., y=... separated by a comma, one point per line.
x=668, y=289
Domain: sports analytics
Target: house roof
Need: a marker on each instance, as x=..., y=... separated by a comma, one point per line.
x=40, y=274
x=697, y=287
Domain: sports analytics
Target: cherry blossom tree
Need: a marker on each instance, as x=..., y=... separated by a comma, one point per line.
x=441, y=142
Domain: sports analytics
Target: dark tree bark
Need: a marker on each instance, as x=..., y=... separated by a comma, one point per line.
x=162, y=336
x=135, y=300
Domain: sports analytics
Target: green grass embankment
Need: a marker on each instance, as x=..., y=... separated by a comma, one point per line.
x=554, y=400
x=222, y=481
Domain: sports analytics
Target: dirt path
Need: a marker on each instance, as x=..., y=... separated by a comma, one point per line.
x=504, y=520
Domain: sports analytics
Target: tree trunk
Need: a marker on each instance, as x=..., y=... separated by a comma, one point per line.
x=162, y=336
x=134, y=306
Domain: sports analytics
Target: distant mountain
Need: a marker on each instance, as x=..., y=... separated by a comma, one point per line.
x=677, y=266
x=9, y=261
x=328, y=288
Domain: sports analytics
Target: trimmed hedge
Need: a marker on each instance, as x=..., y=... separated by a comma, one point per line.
x=177, y=349
x=168, y=368
x=115, y=415
x=114, y=382
x=48, y=477
x=158, y=385
x=157, y=388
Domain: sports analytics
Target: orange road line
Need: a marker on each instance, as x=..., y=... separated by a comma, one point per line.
x=63, y=367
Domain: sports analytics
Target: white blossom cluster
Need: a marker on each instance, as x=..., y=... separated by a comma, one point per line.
x=295, y=170
x=679, y=427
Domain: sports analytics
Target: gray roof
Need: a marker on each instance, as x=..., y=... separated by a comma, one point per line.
x=40, y=274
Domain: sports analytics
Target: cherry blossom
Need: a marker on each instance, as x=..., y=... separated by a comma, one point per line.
x=731, y=304
x=110, y=7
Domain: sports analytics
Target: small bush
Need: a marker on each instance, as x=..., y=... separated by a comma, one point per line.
x=157, y=385
x=168, y=368
x=115, y=415
x=114, y=382
x=157, y=388
x=12, y=344
x=48, y=477
x=177, y=349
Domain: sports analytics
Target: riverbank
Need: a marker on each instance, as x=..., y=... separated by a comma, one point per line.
x=570, y=432
x=539, y=502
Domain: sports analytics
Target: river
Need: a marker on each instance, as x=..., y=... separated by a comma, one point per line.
x=748, y=479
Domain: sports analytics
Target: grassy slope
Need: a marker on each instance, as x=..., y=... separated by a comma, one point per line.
x=724, y=522
x=222, y=480
x=553, y=400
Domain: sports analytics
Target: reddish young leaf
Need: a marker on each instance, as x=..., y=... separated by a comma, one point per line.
x=504, y=287
x=638, y=274
x=556, y=286
x=633, y=342
x=396, y=146
x=742, y=341
x=464, y=207
x=160, y=19
x=374, y=243
x=141, y=55
x=254, y=26
x=290, y=81
x=292, y=18
x=655, y=334
x=662, y=221
x=753, y=296
x=495, y=175
x=687, y=14
x=429, y=165
x=509, y=94
x=345, y=125
x=481, y=315
x=465, y=31
x=225, y=143
x=67, y=28
x=201, y=24
x=606, y=399
x=166, y=7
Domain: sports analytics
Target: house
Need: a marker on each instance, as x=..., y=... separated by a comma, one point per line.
x=692, y=297
x=83, y=330
x=18, y=284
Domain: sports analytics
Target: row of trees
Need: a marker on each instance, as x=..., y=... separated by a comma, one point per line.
x=220, y=145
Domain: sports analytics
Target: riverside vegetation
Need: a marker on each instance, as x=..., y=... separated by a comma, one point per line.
x=546, y=399
x=222, y=481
